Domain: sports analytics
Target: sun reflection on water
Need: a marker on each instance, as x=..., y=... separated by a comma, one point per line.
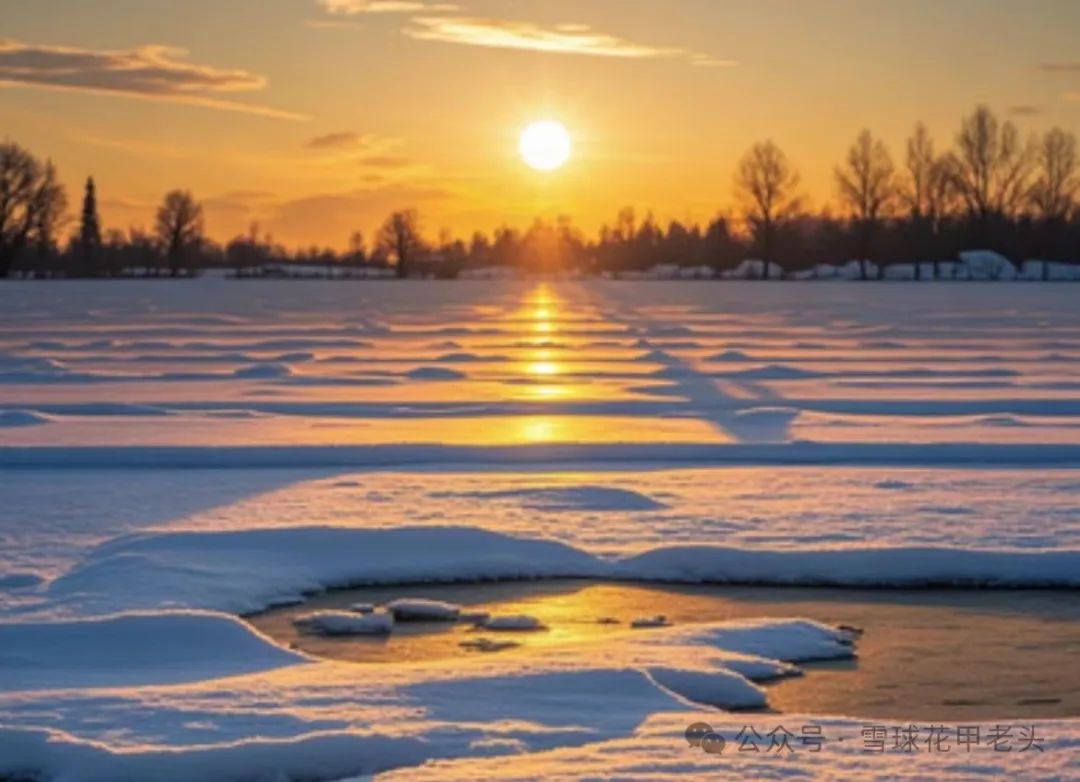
x=542, y=364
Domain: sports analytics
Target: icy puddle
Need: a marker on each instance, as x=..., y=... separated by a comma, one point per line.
x=924, y=655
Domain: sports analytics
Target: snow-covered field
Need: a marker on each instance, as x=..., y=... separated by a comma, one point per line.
x=173, y=454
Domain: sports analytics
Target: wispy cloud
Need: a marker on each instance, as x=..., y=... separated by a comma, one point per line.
x=354, y=7
x=1059, y=67
x=1025, y=110
x=558, y=39
x=346, y=139
x=150, y=72
x=364, y=149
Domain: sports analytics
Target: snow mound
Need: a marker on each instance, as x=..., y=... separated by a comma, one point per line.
x=987, y=265
x=730, y=355
x=244, y=571
x=19, y=418
x=130, y=649
x=345, y=623
x=415, y=609
x=774, y=372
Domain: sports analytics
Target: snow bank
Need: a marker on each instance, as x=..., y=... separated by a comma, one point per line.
x=754, y=269
x=1049, y=270
x=56, y=755
x=247, y=570
x=912, y=567
x=132, y=649
x=718, y=688
x=987, y=265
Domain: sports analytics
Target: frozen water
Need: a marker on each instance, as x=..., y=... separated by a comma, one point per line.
x=175, y=453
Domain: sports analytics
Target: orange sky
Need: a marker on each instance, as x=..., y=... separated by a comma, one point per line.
x=316, y=117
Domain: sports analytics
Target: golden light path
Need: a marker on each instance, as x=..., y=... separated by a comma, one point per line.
x=543, y=308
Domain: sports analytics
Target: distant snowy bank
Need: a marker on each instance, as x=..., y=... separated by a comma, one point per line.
x=248, y=570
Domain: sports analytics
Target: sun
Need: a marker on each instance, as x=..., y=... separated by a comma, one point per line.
x=545, y=145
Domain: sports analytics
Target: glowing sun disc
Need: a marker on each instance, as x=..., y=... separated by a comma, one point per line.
x=545, y=145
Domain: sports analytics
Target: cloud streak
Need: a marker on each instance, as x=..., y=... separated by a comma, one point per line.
x=147, y=72
x=355, y=7
x=1060, y=67
x=558, y=39
x=343, y=140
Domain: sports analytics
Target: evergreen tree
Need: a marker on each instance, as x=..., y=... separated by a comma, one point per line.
x=89, y=231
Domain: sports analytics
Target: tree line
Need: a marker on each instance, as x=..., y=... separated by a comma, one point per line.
x=991, y=189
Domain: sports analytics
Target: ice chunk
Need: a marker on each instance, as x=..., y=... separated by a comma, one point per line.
x=715, y=687
x=345, y=623
x=416, y=609
x=487, y=645
x=513, y=623
x=658, y=621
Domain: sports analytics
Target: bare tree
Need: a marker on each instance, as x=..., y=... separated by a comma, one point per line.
x=399, y=238
x=50, y=210
x=922, y=172
x=766, y=185
x=1054, y=192
x=867, y=186
x=1053, y=195
x=179, y=227
x=991, y=166
x=32, y=204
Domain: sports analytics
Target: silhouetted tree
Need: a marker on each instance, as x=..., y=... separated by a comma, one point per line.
x=32, y=204
x=917, y=192
x=1053, y=194
x=179, y=228
x=766, y=184
x=867, y=187
x=357, y=255
x=89, y=242
x=991, y=168
x=399, y=239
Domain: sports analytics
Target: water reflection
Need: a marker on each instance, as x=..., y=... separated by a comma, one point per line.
x=542, y=363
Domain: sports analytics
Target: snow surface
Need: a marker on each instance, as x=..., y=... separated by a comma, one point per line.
x=686, y=432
